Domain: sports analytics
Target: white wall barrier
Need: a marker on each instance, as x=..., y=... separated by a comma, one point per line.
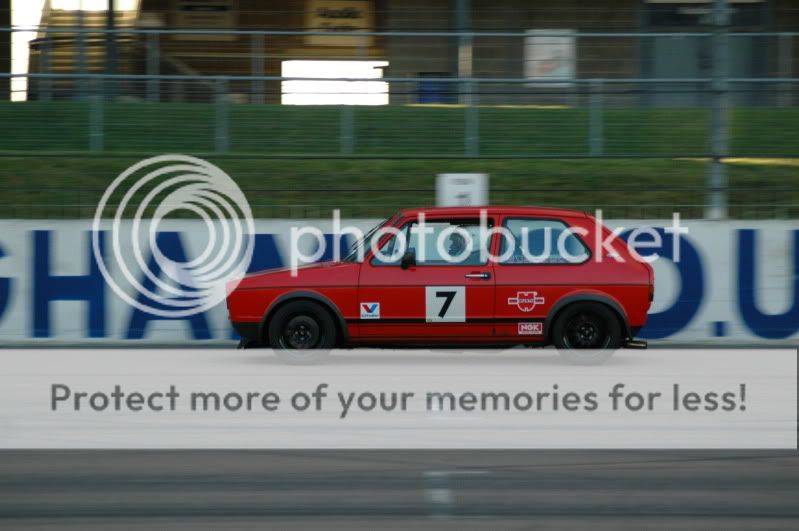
x=736, y=282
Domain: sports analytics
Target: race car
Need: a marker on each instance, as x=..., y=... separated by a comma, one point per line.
x=456, y=276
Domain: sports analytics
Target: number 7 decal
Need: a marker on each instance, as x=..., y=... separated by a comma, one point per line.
x=445, y=304
x=448, y=296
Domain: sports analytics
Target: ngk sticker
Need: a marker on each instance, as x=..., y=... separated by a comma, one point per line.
x=531, y=329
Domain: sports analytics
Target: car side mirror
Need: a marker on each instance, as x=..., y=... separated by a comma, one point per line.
x=408, y=259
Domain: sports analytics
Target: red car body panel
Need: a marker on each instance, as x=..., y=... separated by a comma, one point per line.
x=256, y=293
x=495, y=303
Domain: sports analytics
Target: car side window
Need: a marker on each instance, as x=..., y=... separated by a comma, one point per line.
x=390, y=253
x=540, y=241
x=440, y=242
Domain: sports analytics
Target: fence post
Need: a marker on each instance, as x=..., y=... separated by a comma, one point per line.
x=346, y=133
x=110, y=50
x=222, y=126
x=471, y=128
x=463, y=23
x=257, y=67
x=96, y=119
x=82, y=81
x=785, y=66
x=363, y=48
x=716, y=185
x=153, y=60
x=595, y=115
x=44, y=83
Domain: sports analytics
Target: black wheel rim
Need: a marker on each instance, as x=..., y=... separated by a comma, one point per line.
x=301, y=332
x=586, y=330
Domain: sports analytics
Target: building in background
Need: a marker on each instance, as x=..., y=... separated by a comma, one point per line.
x=545, y=44
x=62, y=51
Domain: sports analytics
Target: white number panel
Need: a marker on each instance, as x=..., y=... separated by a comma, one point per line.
x=445, y=304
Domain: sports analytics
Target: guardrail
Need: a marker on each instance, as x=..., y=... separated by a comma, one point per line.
x=630, y=201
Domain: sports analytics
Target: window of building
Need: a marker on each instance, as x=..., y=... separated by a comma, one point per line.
x=699, y=13
x=334, y=91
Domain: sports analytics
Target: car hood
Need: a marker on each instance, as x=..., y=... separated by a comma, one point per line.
x=319, y=274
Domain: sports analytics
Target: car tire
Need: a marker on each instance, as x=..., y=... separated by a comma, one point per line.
x=301, y=332
x=587, y=326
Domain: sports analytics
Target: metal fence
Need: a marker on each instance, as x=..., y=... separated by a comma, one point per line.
x=594, y=123
x=227, y=102
x=226, y=97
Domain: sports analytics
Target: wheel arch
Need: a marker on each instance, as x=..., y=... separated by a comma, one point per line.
x=567, y=301
x=327, y=304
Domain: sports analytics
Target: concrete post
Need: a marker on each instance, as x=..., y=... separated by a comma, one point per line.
x=110, y=50
x=717, y=187
x=257, y=68
x=82, y=60
x=222, y=122
x=153, y=68
x=96, y=117
x=596, y=144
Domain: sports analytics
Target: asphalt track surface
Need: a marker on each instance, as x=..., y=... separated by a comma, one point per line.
x=394, y=489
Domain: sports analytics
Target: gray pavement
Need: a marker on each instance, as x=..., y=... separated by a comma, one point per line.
x=395, y=489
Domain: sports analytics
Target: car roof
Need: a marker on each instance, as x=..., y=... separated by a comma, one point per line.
x=508, y=210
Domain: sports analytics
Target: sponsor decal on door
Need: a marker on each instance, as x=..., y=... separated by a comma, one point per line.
x=531, y=329
x=370, y=310
x=526, y=301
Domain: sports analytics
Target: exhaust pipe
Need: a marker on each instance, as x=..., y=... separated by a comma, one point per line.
x=636, y=343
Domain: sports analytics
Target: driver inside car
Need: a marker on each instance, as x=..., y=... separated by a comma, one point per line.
x=457, y=248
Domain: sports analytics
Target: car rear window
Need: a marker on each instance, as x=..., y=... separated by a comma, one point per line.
x=541, y=241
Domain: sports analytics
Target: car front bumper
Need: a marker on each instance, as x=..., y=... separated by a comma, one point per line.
x=249, y=330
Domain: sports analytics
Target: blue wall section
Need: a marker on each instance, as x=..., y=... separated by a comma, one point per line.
x=768, y=326
x=48, y=287
x=720, y=290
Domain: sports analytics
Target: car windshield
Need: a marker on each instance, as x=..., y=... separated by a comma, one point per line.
x=355, y=248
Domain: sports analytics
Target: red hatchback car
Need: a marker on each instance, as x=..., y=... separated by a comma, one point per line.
x=455, y=276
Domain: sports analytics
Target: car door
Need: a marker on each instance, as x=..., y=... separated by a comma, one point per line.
x=433, y=299
x=538, y=263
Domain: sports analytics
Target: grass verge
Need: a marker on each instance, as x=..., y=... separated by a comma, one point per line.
x=70, y=186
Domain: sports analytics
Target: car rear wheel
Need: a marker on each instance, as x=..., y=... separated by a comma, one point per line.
x=587, y=326
x=301, y=332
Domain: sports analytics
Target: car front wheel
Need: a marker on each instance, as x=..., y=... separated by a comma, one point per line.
x=301, y=332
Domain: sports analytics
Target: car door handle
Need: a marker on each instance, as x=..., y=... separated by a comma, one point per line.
x=484, y=276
